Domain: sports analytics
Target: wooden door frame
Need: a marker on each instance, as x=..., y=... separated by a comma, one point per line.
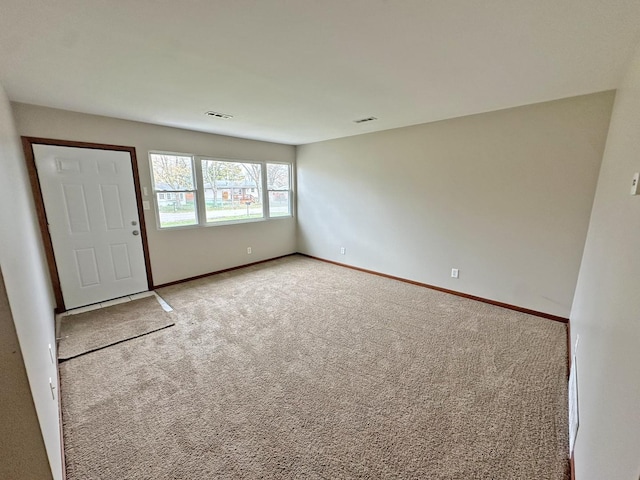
x=27, y=146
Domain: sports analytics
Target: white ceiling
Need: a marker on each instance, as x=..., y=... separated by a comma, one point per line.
x=299, y=71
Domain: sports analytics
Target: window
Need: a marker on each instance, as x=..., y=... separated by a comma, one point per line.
x=232, y=190
x=203, y=191
x=175, y=190
x=279, y=188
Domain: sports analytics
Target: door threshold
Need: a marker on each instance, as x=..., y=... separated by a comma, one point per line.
x=116, y=301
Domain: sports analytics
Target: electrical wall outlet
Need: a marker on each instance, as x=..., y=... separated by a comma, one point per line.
x=634, y=184
x=343, y=250
x=248, y=250
x=454, y=273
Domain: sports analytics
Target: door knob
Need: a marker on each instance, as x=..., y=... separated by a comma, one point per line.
x=134, y=223
x=136, y=232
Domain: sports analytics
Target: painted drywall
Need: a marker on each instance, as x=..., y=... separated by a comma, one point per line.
x=27, y=285
x=21, y=446
x=606, y=310
x=179, y=253
x=505, y=197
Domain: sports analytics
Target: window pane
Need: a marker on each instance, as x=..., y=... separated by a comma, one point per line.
x=177, y=209
x=279, y=204
x=172, y=172
x=277, y=176
x=232, y=190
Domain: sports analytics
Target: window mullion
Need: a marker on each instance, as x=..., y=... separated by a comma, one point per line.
x=266, y=212
x=201, y=206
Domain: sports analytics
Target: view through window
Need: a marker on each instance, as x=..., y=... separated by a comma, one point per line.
x=175, y=190
x=279, y=187
x=232, y=190
x=194, y=190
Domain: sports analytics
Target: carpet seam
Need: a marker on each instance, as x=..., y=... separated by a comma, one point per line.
x=97, y=349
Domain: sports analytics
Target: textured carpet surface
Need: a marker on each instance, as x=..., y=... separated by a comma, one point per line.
x=85, y=332
x=301, y=369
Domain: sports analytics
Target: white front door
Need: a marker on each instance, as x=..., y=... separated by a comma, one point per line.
x=90, y=202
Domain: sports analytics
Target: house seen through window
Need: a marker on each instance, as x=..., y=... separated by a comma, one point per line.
x=175, y=187
x=193, y=190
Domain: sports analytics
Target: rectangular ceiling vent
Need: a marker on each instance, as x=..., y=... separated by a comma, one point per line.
x=219, y=115
x=362, y=120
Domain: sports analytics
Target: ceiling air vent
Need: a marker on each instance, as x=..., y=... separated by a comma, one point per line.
x=218, y=115
x=362, y=120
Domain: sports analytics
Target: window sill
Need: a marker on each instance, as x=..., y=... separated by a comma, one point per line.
x=221, y=224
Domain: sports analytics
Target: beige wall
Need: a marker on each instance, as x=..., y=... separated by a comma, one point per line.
x=27, y=286
x=180, y=253
x=21, y=447
x=606, y=310
x=504, y=196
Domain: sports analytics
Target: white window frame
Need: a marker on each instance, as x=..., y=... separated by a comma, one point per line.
x=203, y=213
x=199, y=192
x=169, y=194
x=289, y=190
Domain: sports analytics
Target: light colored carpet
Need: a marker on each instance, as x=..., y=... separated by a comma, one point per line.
x=90, y=331
x=298, y=369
